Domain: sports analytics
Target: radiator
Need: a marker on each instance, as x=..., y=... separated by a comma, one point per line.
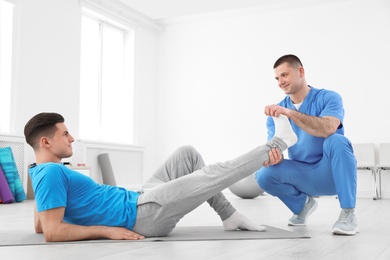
x=17, y=144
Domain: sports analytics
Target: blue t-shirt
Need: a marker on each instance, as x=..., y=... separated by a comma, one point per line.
x=319, y=103
x=86, y=202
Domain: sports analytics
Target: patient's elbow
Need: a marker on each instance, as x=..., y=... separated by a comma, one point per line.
x=50, y=237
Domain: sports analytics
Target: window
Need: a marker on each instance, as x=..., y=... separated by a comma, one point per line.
x=6, y=34
x=107, y=91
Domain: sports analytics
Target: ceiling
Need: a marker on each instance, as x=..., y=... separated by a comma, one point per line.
x=165, y=9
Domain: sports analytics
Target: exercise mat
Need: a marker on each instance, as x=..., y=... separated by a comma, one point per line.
x=182, y=233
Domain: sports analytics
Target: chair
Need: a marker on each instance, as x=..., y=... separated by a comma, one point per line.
x=365, y=157
x=384, y=159
x=106, y=168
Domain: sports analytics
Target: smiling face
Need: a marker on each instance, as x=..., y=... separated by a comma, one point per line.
x=60, y=144
x=290, y=78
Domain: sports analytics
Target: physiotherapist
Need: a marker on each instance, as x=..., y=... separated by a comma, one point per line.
x=322, y=162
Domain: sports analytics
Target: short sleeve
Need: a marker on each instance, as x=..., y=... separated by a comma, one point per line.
x=51, y=190
x=332, y=105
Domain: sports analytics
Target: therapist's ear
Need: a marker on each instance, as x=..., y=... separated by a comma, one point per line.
x=301, y=71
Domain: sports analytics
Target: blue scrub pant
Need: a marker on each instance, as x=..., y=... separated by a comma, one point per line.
x=335, y=174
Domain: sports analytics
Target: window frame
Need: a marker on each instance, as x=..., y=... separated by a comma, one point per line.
x=14, y=64
x=129, y=32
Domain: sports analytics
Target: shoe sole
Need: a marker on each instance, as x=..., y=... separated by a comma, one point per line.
x=307, y=216
x=338, y=231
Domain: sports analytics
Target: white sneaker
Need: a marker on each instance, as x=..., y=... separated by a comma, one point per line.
x=346, y=224
x=301, y=218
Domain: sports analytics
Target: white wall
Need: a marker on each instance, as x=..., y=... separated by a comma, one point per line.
x=48, y=60
x=216, y=76
x=48, y=69
x=205, y=80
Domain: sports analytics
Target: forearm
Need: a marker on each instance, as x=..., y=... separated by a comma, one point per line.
x=315, y=126
x=56, y=230
x=70, y=232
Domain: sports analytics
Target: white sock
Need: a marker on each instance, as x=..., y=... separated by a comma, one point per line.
x=239, y=221
x=284, y=131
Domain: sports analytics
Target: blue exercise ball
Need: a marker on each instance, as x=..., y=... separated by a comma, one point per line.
x=246, y=188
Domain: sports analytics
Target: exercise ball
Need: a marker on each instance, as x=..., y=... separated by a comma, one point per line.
x=246, y=188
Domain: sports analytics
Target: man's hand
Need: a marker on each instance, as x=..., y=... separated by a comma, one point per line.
x=119, y=233
x=274, y=157
x=275, y=110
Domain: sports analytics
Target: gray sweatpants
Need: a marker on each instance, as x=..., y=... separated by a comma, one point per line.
x=183, y=183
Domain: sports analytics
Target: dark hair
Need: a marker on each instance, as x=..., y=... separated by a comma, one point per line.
x=291, y=59
x=42, y=124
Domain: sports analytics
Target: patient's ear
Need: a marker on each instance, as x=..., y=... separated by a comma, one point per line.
x=44, y=142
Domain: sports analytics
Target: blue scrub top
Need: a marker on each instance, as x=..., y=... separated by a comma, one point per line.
x=319, y=103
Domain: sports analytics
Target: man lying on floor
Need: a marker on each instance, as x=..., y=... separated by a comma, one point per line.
x=71, y=206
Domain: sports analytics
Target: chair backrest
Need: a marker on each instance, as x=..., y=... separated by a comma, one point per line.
x=106, y=168
x=365, y=154
x=384, y=154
